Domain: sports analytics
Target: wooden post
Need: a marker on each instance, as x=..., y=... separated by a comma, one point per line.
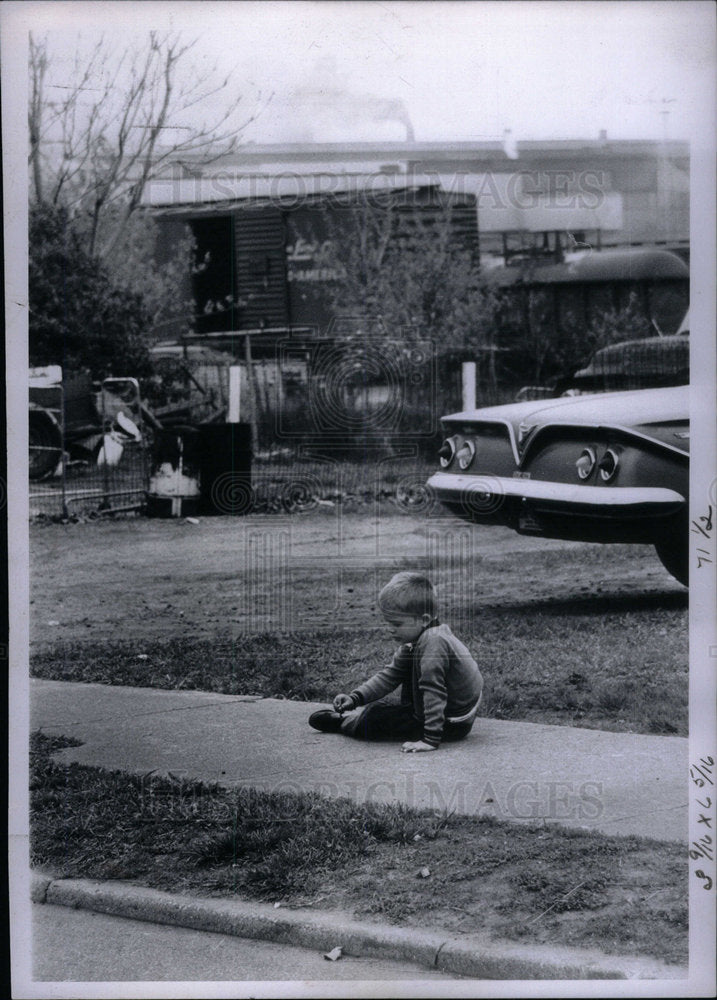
x=251, y=394
x=469, y=385
x=261, y=391
x=234, y=395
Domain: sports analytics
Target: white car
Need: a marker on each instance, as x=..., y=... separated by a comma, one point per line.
x=608, y=467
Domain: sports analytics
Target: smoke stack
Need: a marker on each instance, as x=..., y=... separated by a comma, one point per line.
x=382, y=110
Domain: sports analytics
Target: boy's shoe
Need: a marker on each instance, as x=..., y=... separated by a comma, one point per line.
x=326, y=720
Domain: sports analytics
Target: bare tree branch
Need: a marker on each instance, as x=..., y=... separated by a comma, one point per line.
x=98, y=134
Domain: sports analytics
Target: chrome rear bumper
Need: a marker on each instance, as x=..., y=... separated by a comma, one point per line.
x=487, y=492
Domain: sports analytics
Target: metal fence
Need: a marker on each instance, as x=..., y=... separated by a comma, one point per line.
x=318, y=436
x=89, y=451
x=314, y=446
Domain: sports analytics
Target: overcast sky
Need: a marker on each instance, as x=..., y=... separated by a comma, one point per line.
x=465, y=70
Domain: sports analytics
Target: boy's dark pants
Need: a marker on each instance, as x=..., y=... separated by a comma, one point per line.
x=378, y=721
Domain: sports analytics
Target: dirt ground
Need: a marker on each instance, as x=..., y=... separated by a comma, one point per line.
x=223, y=576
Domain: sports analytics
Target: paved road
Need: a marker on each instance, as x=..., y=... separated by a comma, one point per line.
x=81, y=946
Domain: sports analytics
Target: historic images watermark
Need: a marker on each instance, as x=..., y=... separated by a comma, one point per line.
x=558, y=188
x=578, y=802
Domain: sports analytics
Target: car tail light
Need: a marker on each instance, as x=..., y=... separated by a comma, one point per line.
x=608, y=465
x=466, y=454
x=446, y=452
x=586, y=463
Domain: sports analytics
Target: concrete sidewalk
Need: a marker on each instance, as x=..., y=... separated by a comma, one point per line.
x=617, y=783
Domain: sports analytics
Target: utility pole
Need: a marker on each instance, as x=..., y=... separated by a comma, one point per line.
x=664, y=173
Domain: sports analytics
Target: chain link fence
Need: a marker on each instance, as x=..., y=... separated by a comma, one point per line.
x=89, y=449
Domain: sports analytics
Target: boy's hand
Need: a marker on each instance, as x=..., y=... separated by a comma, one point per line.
x=418, y=747
x=343, y=703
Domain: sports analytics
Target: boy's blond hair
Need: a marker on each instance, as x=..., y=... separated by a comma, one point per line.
x=408, y=593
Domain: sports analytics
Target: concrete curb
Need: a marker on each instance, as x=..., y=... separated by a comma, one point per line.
x=469, y=955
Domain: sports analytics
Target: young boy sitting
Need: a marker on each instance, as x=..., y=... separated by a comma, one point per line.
x=441, y=684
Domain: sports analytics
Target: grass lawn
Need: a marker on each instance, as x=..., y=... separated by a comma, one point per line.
x=564, y=633
x=586, y=636
x=385, y=862
x=623, y=670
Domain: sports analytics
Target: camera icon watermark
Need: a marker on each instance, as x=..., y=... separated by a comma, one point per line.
x=361, y=385
x=483, y=497
x=241, y=492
